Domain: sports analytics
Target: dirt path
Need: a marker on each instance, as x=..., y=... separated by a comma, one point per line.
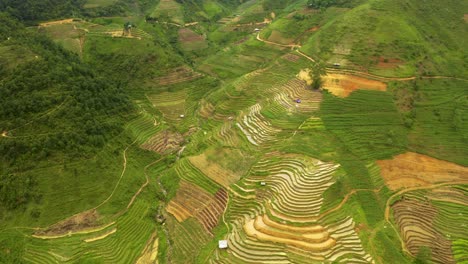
x=120, y=178
x=292, y=46
x=343, y=202
x=432, y=186
x=144, y=184
x=358, y=73
x=42, y=115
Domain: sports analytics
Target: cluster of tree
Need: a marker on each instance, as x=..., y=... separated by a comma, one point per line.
x=271, y=5
x=16, y=190
x=33, y=10
x=318, y=4
x=53, y=105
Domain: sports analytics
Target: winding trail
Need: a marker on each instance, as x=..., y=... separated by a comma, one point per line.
x=144, y=184
x=296, y=48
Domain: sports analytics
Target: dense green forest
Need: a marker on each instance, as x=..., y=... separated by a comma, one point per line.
x=52, y=104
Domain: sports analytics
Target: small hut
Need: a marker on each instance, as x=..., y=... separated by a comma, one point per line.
x=223, y=244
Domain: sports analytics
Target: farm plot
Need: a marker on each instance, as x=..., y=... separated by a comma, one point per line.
x=170, y=9
x=284, y=217
x=190, y=40
x=413, y=169
x=66, y=33
x=295, y=94
x=256, y=128
x=367, y=122
x=178, y=75
x=343, y=85
x=187, y=237
x=164, y=142
x=214, y=170
x=119, y=243
x=431, y=220
x=193, y=201
x=171, y=104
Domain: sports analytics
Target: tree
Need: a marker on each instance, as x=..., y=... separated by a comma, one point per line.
x=317, y=71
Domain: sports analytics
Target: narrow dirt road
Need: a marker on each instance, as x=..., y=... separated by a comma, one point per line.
x=354, y=72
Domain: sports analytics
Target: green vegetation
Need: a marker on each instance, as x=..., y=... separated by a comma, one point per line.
x=103, y=126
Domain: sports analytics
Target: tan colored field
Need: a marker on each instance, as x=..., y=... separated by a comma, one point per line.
x=412, y=170
x=150, y=253
x=58, y=22
x=110, y=232
x=308, y=239
x=304, y=75
x=343, y=85
x=214, y=170
x=188, y=201
x=193, y=201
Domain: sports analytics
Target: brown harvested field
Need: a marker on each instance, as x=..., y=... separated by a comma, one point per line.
x=85, y=220
x=164, y=142
x=415, y=220
x=412, y=169
x=384, y=63
x=465, y=17
x=189, y=199
x=214, y=170
x=343, y=85
x=191, y=40
x=291, y=57
x=193, y=201
x=178, y=75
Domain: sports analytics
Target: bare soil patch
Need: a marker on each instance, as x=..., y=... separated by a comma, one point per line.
x=87, y=219
x=291, y=57
x=412, y=170
x=465, y=17
x=384, y=63
x=304, y=75
x=343, y=85
x=58, y=22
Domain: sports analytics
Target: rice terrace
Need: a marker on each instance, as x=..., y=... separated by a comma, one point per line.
x=233, y=131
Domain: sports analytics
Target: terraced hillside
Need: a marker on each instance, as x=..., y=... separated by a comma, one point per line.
x=235, y=132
